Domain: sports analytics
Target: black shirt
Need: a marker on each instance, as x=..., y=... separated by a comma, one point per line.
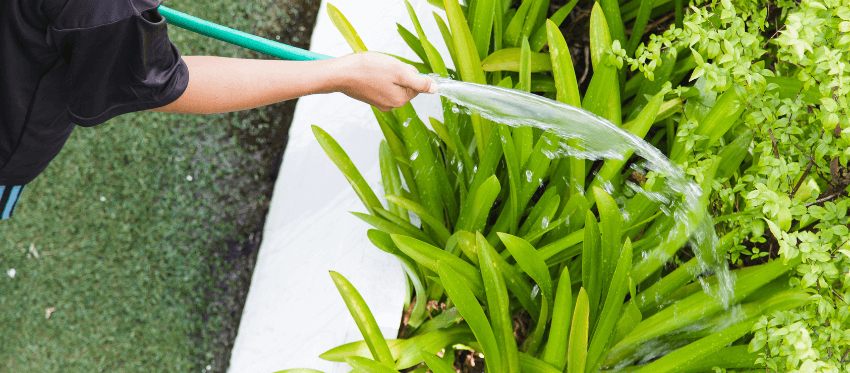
x=67, y=63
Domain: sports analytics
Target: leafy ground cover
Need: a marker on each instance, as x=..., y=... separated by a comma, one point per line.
x=525, y=260
x=141, y=236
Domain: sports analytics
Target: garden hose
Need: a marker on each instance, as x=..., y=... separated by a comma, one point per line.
x=242, y=39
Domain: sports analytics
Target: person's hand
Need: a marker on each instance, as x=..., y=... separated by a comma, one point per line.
x=382, y=81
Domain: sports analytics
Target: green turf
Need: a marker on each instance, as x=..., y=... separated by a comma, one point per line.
x=130, y=276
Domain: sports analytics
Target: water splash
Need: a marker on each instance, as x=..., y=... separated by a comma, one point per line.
x=600, y=139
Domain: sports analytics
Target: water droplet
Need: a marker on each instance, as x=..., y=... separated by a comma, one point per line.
x=407, y=122
x=189, y=177
x=545, y=222
x=528, y=175
x=414, y=155
x=102, y=199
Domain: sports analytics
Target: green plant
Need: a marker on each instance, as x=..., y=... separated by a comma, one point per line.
x=607, y=282
x=786, y=198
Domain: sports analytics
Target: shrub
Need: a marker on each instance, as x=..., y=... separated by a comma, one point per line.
x=606, y=278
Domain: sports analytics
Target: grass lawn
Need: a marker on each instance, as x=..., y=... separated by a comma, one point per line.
x=141, y=224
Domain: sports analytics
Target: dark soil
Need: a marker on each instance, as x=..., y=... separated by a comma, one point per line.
x=265, y=133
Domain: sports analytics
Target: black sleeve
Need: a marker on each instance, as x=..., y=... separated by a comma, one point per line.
x=120, y=67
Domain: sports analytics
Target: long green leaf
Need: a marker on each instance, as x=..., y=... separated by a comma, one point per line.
x=364, y=365
x=498, y=306
x=361, y=348
x=639, y=26
x=392, y=228
x=364, y=320
x=603, y=93
x=413, y=42
x=345, y=28
x=568, y=93
x=604, y=331
x=559, y=333
x=538, y=40
x=513, y=32
x=429, y=256
x=474, y=216
x=515, y=280
x=435, y=364
x=390, y=177
x=528, y=259
x=541, y=215
x=562, y=66
x=591, y=264
x=610, y=223
x=432, y=342
x=482, y=25
x=512, y=161
x=389, y=127
x=698, y=306
x=733, y=154
x=468, y=63
x=508, y=59
x=444, y=320
x=529, y=364
x=629, y=318
x=574, y=212
x=338, y=156
x=704, y=347
x=612, y=167
x=650, y=297
x=429, y=175
x=468, y=306
x=447, y=36
x=443, y=234
x=577, y=352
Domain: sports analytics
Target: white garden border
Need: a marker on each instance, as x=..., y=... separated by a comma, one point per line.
x=294, y=312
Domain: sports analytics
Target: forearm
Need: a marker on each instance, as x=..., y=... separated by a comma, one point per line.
x=219, y=84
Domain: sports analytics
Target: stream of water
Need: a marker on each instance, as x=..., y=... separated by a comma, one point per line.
x=600, y=139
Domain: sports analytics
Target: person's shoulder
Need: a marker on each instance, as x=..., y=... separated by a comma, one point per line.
x=77, y=14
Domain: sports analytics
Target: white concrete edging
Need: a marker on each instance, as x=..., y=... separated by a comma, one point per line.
x=294, y=312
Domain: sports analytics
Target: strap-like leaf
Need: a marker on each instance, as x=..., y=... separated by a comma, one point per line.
x=346, y=29
x=559, y=332
x=443, y=234
x=591, y=264
x=577, y=352
x=432, y=342
x=508, y=59
x=364, y=365
x=338, y=156
x=361, y=348
x=610, y=223
x=604, y=331
x=498, y=306
x=428, y=256
x=474, y=216
x=471, y=311
x=435, y=364
x=364, y=320
x=698, y=306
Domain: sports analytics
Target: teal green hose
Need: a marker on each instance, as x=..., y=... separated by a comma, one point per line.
x=242, y=39
x=245, y=40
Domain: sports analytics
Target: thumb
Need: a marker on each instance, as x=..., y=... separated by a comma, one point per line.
x=419, y=83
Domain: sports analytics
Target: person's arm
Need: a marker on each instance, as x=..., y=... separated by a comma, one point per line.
x=219, y=84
